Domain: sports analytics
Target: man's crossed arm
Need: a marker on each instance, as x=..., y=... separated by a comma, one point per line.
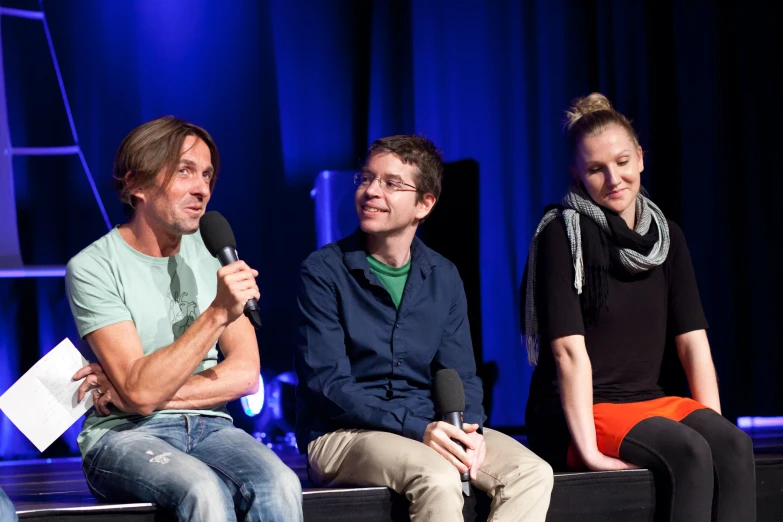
x=142, y=384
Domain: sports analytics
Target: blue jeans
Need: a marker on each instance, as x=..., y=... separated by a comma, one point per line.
x=7, y=511
x=201, y=468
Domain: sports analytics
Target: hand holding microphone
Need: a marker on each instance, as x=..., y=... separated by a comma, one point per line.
x=447, y=437
x=237, y=289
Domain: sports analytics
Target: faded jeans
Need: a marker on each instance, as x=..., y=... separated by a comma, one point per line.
x=200, y=468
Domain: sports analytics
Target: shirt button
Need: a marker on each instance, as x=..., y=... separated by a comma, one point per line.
x=396, y=325
x=399, y=363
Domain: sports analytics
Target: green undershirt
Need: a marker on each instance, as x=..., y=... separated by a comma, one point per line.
x=392, y=278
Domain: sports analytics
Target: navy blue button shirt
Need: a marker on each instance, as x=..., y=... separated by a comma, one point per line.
x=361, y=362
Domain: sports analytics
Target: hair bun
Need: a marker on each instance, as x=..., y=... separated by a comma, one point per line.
x=583, y=106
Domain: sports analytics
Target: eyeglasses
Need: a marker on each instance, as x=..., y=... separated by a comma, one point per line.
x=363, y=179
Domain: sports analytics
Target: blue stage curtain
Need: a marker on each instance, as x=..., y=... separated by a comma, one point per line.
x=291, y=88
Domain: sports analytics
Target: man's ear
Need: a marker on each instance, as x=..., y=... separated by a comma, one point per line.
x=424, y=207
x=130, y=181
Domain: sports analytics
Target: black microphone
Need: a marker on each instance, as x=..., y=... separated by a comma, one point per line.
x=219, y=240
x=449, y=396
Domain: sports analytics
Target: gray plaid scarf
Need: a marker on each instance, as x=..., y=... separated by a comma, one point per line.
x=577, y=203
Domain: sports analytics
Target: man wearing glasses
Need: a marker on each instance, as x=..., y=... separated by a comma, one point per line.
x=380, y=314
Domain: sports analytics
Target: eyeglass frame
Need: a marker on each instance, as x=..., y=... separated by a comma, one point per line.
x=383, y=183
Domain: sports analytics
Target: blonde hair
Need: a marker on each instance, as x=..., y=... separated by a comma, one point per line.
x=590, y=115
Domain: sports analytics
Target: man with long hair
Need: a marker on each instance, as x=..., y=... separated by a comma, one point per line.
x=154, y=306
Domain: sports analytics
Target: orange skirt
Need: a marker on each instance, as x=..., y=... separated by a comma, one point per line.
x=614, y=421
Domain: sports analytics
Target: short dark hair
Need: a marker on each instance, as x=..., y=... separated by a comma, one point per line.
x=418, y=151
x=152, y=147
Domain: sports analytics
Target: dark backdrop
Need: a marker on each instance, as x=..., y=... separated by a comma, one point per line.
x=291, y=88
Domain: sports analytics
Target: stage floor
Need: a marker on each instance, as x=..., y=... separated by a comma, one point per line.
x=45, y=490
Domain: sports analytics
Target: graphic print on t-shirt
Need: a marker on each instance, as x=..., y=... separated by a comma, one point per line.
x=182, y=313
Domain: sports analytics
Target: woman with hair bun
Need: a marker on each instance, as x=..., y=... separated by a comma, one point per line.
x=609, y=287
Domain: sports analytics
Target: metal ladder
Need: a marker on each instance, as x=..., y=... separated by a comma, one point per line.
x=11, y=263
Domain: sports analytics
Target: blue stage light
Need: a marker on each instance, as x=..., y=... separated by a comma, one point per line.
x=335, y=213
x=253, y=404
x=760, y=422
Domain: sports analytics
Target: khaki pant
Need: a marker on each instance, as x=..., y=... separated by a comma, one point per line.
x=518, y=482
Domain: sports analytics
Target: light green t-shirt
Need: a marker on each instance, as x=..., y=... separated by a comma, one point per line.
x=109, y=282
x=392, y=278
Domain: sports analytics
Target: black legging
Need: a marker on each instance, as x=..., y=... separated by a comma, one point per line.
x=703, y=467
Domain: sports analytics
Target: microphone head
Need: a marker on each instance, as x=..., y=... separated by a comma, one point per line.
x=216, y=232
x=448, y=392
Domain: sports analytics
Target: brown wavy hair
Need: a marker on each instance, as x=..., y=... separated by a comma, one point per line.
x=153, y=147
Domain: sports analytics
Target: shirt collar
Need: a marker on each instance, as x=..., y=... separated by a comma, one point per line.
x=355, y=254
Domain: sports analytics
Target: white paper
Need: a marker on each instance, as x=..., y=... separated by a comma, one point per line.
x=43, y=402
